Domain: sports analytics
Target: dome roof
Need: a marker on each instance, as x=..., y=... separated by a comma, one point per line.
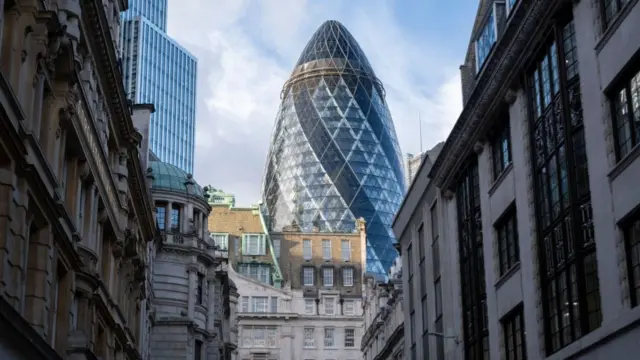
x=171, y=178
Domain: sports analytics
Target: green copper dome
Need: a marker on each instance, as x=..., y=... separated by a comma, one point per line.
x=172, y=178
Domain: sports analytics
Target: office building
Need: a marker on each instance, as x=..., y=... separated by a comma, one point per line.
x=532, y=203
x=334, y=155
x=384, y=317
x=158, y=70
x=75, y=216
x=300, y=292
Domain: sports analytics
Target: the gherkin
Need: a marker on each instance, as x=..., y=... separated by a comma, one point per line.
x=334, y=153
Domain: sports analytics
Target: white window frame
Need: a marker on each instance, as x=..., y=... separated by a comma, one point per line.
x=310, y=272
x=309, y=340
x=347, y=276
x=326, y=249
x=254, y=244
x=327, y=277
x=329, y=337
x=277, y=247
x=221, y=240
x=260, y=304
x=345, y=250
x=329, y=305
x=309, y=305
x=480, y=62
x=245, y=304
x=307, y=249
x=273, y=305
x=349, y=307
x=349, y=337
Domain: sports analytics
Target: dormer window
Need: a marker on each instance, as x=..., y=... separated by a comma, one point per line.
x=486, y=40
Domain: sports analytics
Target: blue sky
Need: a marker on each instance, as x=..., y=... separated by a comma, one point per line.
x=247, y=48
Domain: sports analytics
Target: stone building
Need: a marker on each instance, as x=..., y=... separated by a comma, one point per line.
x=384, y=317
x=194, y=300
x=300, y=293
x=75, y=213
x=534, y=199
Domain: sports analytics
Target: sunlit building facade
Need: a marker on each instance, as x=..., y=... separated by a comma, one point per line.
x=334, y=154
x=158, y=70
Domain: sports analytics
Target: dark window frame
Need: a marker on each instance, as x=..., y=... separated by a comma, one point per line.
x=562, y=217
x=506, y=229
x=617, y=122
x=608, y=17
x=513, y=330
x=472, y=274
x=501, y=158
x=630, y=227
x=161, y=216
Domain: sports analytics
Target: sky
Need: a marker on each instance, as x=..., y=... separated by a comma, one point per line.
x=246, y=50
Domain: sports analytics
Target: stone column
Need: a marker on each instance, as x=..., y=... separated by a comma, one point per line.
x=89, y=215
x=192, y=270
x=36, y=118
x=38, y=288
x=62, y=151
x=211, y=303
x=10, y=47
x=167, y=217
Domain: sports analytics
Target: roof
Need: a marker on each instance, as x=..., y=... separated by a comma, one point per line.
x=171, y=178
x=234, y=221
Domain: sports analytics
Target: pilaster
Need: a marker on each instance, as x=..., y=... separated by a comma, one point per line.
x=37, y=284
x=192, y=270
x=211, y=299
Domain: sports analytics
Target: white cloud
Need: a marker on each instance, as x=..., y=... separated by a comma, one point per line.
x=246, y=50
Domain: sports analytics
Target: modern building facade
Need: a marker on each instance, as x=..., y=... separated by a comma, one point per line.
x=194, y=300
x=158, y=70
x=75, y=214
x=534, y=208
x=384, y=317
x=334, y=154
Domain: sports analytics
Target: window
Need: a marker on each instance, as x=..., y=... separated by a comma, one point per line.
x=346, y=250
x=472, y=279
x=259, y=336
x=422, y=254
x=410, y=260
x=259, y=304
x=626, y=115
x=501, y=146
x=631, y=230
x=327, y=277
x=329, y=338
x=306, y=249
x=326, y=249
x=514, y=339
x=253, y=244
x=161, y=216
x=348, y=307
x=197, y=350
x=276, y=247
x=510, y=5
x=611, y=8
x=569, y=281
x=425, y=314
x=329, y=306
x=274, y=304
x=435, y=235
x=308, y=306
x=200, y=289
x=245, y=304
x=175, y=218
x=412, y=324
x=221, y=241
x=349, y=337
x=307, y=276
x=347, y=276
x=258, y=272
x=507, y=234
x=485, y=41
x=309, y=337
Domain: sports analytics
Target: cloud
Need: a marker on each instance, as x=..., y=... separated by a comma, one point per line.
x=246, y=50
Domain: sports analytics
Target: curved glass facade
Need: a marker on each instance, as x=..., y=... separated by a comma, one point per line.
x=334, y=153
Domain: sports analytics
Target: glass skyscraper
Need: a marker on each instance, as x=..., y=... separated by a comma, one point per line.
x=158, y=70
x=334, y=153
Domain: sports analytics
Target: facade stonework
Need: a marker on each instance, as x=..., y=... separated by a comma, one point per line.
x=75, y=213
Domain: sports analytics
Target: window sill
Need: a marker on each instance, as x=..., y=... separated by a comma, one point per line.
x=507, y=275
x=614, y=24
x=500, y=178
x=624, y=162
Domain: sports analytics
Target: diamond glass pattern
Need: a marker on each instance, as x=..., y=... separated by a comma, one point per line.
x=334, y=154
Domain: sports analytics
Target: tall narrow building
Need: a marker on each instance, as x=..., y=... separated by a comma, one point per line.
x=158, y=70
x=334, y=154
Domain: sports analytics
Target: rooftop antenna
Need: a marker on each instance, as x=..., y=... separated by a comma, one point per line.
x=420, y=124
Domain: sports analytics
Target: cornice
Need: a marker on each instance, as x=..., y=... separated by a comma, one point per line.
x=499, y=72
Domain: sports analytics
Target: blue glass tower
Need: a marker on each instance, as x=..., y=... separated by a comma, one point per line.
x=158, y=70
x=334, y=154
